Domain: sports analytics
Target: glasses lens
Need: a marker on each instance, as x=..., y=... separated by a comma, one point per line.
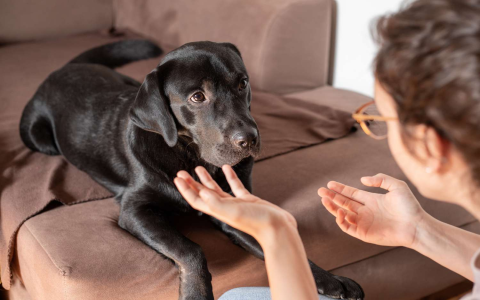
x=378, y=128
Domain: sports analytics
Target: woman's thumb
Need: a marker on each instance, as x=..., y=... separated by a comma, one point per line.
x=382, y=181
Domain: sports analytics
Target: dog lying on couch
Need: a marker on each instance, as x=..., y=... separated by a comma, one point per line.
x=193, y=109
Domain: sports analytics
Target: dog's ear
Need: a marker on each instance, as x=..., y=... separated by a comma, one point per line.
x=234, y=48
x=151, y=109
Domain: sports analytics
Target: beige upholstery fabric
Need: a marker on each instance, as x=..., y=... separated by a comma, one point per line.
x=25, y=20
x=285, y=43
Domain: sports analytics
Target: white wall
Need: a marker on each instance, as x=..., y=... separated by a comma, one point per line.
x=355, y=48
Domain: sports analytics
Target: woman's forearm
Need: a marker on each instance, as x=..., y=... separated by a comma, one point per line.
x=448, y=245
x=289, y=274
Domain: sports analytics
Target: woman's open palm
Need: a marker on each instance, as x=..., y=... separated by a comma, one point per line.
x=384, y=219
x=243, y=210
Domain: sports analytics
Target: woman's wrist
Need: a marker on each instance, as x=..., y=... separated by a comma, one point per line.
x=448, y=245
x=277, y=233
x=289, y=273
x=424, y=229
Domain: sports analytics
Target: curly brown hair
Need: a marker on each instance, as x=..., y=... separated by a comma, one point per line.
x=429, y=62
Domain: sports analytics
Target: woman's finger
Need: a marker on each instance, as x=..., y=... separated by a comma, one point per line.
x=189, y=194
x=330, y=206
x=208, y=181
x=235, y=184
x=340, y=200
x=189, y=179
x=225, y=211
x=384, y=182
x=333, y=208
x=343, y=223
x=211, y=198
x=349, y=192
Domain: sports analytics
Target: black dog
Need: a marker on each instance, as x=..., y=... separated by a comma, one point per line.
x=193, y=109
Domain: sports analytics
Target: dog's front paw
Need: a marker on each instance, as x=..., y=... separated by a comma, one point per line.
x=338, y=287
x=352, y=289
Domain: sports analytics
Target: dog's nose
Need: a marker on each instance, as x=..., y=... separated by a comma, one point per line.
x=245, y=140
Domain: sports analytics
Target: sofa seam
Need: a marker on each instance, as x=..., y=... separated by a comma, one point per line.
x=63, y=272
x=12, y=240
x=265, y=37
x=65, y=294
x=271, y=23
x=114, y=14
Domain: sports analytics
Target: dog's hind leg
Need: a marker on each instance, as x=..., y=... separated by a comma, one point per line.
x=149, y=223
x=36, y=128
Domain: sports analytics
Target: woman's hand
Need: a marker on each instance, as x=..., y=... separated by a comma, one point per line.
x=245, y=211
x=274, y=229
x=385, y=219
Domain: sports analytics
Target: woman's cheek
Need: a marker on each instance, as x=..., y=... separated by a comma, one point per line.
x=401, y=153
x=394, y=140
x=396, y=146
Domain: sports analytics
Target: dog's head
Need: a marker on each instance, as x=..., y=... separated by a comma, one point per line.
x=200, y=93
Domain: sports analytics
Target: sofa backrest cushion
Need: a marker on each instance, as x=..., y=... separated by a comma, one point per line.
x=27, y=20
x=285, y=43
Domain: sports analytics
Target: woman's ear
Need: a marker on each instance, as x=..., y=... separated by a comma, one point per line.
x=151, y=109
x=437, y=149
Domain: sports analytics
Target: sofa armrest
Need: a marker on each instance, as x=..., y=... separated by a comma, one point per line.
x=285, y=43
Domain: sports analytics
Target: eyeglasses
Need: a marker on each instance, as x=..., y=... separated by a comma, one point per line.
x=372, y=123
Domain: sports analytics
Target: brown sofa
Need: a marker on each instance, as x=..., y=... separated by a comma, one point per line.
x=79, y=252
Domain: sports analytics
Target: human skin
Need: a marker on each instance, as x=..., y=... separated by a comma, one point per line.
x=396, y=218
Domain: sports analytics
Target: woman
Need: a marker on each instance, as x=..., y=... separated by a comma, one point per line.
x=428, y=93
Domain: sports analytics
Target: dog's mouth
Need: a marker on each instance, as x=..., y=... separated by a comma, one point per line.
x=219, y=154
x=222, y=155
x=252, y=152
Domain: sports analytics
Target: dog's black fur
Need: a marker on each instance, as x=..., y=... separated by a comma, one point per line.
x=133, y=138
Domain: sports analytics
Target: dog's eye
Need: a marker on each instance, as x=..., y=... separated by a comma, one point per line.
x=198, y=97
x=243, y=84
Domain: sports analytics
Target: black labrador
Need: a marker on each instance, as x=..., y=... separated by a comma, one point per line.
x=192, y=109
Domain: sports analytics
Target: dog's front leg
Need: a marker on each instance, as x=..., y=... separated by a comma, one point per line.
x=150, y=224
x=240, y=238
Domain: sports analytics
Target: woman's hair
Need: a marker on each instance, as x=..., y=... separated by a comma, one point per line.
x=429, y=62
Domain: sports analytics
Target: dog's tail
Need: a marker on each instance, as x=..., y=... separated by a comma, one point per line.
x=117, y=54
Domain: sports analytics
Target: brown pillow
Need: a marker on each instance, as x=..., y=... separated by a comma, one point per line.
x=287, y=124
